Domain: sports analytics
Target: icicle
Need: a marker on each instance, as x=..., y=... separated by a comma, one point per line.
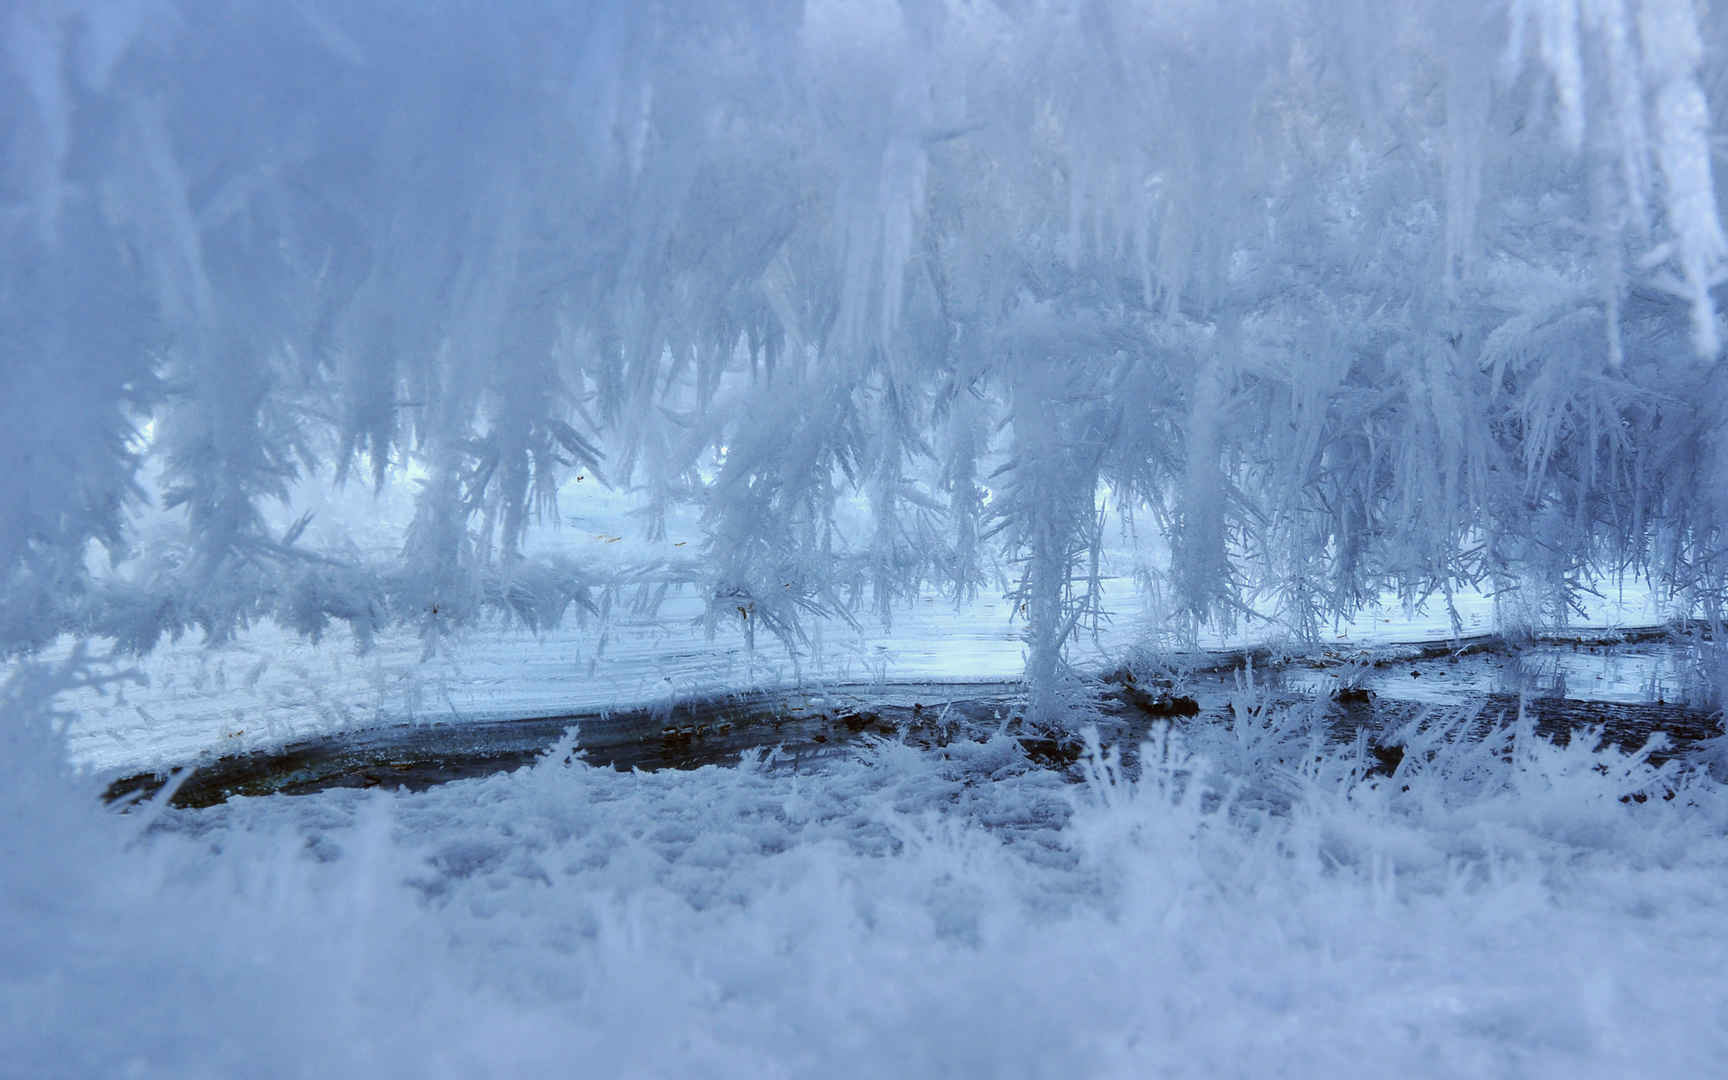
x=1467, y=102
x=1608, y=21
x=1558, y=22
x=1610, y=272
x=1673, y=51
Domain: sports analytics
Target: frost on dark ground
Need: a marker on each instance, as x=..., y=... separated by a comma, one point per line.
x=1243, y=908
x=318, y=320
x=1626, y=690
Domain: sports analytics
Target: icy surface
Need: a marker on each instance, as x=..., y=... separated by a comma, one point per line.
x=267, y=686
x=1651, y=672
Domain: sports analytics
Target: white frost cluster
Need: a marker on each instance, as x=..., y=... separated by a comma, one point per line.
x=1337, y=296
x=1237, y=910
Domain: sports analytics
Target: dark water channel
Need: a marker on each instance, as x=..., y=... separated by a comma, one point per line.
x=1630, y=689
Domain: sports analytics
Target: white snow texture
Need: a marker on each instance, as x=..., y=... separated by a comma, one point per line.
x=419, y=328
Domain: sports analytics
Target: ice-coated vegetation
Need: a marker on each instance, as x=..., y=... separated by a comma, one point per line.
x=821, y=309
x=1332, y=296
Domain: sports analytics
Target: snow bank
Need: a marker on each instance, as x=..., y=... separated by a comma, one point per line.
x=1241, y=909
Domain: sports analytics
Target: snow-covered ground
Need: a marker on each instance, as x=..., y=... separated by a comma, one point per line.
x=895, y=912
x=886, y=911
x=881, y=912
